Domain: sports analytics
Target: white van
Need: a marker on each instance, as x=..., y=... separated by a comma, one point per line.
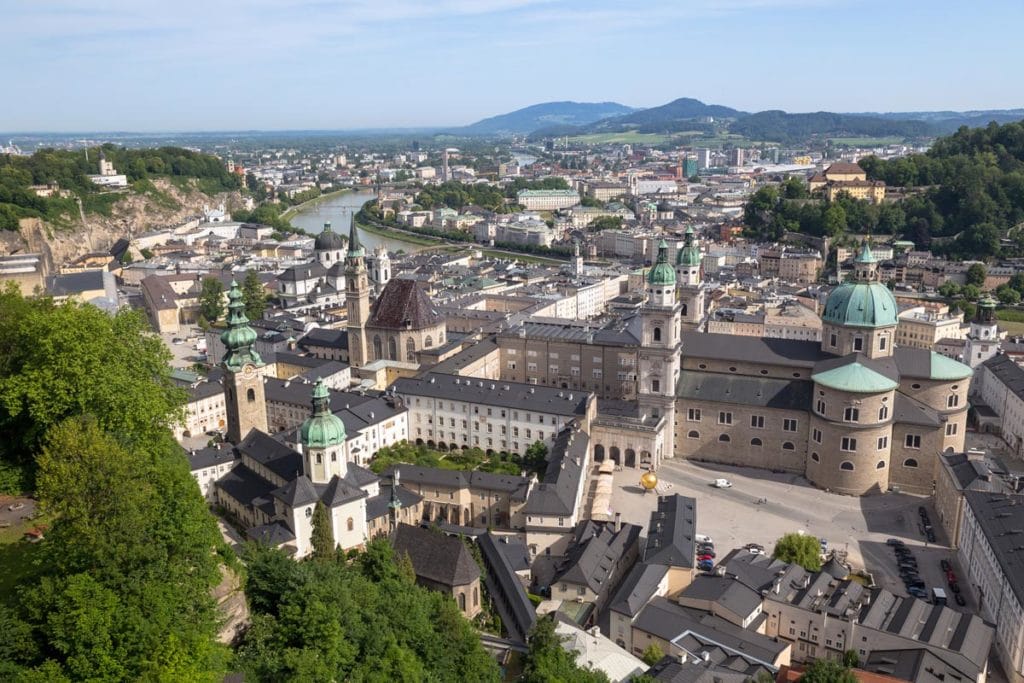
x=701, y=538
x=938, y=596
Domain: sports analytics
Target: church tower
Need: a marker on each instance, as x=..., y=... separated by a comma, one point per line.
x=691, y=285
x=983, y=339
x=658, y=367
x=322, y=436
x=357, y=299
x=243, y=381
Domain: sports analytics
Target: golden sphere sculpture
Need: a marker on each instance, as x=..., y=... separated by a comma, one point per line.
x=649, y=480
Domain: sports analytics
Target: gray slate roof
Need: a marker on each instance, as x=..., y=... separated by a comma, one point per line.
x=594, y=554
x=1001, y=518
x=506, y=483
x=791, y=352
x=509, y=395
x=556, y=494
x=637, y=588
x=436, y=557
x=670, y=532
x=726, y=591
x=763, y=392
x=209, y=457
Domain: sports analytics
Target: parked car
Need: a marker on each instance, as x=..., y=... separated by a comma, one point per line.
x=950, y=576
x=755, y=551
x=701, y=538
x=918, y=592
x=704, y=558
x=959, y=599
x=946, y=565
x=955, y=587
x=922, y=511
x=706, y=554
x=893, y=542
x=705, y=565
x=930, y=535
x=722, y=484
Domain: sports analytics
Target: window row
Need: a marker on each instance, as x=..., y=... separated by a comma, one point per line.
x=880, y=465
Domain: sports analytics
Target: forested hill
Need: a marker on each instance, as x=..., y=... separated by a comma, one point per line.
x=70, y=171
x=779, y=126
x=975, y=189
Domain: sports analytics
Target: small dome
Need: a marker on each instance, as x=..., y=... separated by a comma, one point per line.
x=861, y=304
x=649, y=480
x=328, y=240
x=662, y=274
x=323, y=428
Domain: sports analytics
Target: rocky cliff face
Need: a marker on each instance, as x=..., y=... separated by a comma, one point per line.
x=135, y=214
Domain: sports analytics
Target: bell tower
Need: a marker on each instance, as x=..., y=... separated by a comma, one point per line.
x=322, y=436
x=243, y=381
x=658, y=366
x=357, y=299
x=691, y=285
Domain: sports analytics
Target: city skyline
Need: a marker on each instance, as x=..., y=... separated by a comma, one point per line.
x=298, y=64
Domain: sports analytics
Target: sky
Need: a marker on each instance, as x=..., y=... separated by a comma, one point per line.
x=191, y=65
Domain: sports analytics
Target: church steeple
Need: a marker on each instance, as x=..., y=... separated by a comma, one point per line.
x=323, y=439
x=239, y=338
x=355, y=249
x=357, y=299
x=394, y=505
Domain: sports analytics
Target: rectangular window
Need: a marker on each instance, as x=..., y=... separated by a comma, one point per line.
x=531, y=354
x=820, y=407
x=858, y=343
x=883, y=341
x=883, y=443
x=511, y=365
x=789, y=425
x=848, y=444
x=655, y=385
x=724, y=418
x=532, y=367
x=951, y=429
x=913, y=441
x=816, y=435
x=597, y=374
x=953, y=401
x=832, y=341
x=851, y=415
x=693, y=415
x=553, y=355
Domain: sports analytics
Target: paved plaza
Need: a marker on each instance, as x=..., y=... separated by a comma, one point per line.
x=761, y=506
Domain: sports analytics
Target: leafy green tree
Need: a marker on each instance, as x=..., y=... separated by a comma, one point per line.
x=211, y=299
x=971, y=292
x=827, y=671
x=1008, y=295
x=548, y=661
x=652, y=655
x=536, y=459
x=794, y=188
x=976, y=274
x=605, y=223
x=254, y=296
x=323, y=537
x=851, y=660
x=949, y=289
x=834, y=220
x=800, y=549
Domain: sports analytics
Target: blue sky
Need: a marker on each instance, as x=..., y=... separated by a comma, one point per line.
x=150, y=65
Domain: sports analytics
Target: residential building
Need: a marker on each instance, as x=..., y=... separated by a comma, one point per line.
x=849, y=178
x=547, y=200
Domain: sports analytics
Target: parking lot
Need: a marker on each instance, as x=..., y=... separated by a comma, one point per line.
x=185, y=354
x=761, y=506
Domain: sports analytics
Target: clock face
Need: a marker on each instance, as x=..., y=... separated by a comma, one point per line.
x=248, y=370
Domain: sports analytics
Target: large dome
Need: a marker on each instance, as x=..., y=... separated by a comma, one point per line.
x=328, y=240
x=662, y=274
x=861, y=304
x=322, y=428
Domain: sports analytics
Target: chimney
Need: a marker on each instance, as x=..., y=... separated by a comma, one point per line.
x=618, y=522
x=706, y=656
x=682, y=657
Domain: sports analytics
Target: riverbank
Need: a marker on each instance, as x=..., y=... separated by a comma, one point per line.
x=305, y=206
x=401, y=235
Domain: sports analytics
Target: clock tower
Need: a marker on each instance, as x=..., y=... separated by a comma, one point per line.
x=357, y=299
x=243, y=367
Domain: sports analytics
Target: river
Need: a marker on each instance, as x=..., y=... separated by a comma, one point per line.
x=339, y=211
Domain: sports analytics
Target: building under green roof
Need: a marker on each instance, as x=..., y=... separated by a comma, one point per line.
x=856, y=378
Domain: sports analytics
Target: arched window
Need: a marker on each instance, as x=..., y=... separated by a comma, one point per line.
x=378, y=348
x=693, y=434
x=755, y=441
x=847, y=465
x=788, y=446
x=815, y=457
x=410, y=349
x=880, y=465
x=428, y=342
x=350, y=524
x=657, y=334
x=392, y=349
x=883, y=413
x=952, y=401
x=251, y=394
x=684, y=310
x=319, y=459
x=462, y=601
x=724, y=438
x=910, y=462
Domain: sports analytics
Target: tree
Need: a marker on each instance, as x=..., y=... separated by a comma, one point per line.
x=605, y=223
x=949, y=289
x=652, y=655
x=1008, y=295
x=254, y=296
x=547, y=660
x=971, y=292
x=851, y=660
x=976, y=274
x=211, y=299
x=536, y=459
x=834, y=220
x=827, y=671
x=799, y=549
x=323, y=536
x=794, y=188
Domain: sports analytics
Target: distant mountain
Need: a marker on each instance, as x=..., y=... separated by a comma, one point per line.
x=673, y=117
x=779, y=126
x=545, y=115
x=944, y=122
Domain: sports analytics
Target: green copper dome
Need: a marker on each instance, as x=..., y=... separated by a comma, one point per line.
x=239, y=338
x=689, y=255
x=861, y=301
x=662, y=274
x=323, y=428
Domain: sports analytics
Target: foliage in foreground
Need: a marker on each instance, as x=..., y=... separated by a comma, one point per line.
x=548, y=661
x=358, y=620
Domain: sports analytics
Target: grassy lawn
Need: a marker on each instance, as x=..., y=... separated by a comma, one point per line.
x=866, y=141
x=1014, y=328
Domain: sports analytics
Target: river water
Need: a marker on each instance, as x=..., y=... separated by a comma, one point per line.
x=339, y=211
